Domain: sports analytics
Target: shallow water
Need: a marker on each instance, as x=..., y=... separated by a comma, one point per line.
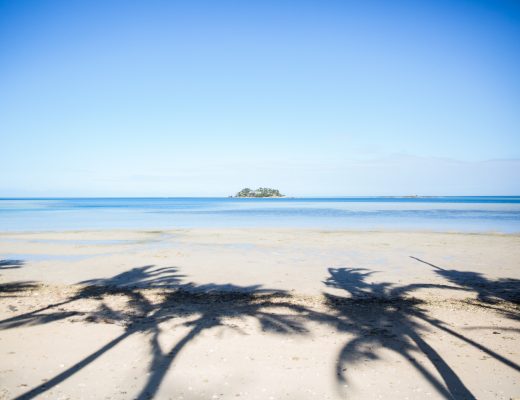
x=467, y=214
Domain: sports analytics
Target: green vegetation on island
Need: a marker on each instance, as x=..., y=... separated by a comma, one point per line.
x=260, y=192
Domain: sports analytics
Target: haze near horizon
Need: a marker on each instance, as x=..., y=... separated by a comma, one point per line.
x=313, y=98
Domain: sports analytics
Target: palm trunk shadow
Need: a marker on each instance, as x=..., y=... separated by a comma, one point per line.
x=483, y=348
x=161, y=362
x=389, y=303
x=74, y=369
x=144, y=312
x=456, y=387
x=453, y=387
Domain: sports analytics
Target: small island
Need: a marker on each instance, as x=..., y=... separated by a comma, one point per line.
x=260, y=192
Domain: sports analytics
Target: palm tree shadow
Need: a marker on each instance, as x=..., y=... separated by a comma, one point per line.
x=487, y=290
x=378, y=315
x=217, y=308
x=11, y=264
x=207, y=306
x=386, y=316
x=15, y=289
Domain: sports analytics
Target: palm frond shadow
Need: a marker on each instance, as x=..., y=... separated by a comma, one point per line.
x=376, y=315
x=11, y=264
x=206, y=307
x=387, y=316
x=487, y=290
x=15, y=289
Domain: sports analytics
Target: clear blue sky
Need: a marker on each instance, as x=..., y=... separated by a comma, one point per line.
x=171, y=98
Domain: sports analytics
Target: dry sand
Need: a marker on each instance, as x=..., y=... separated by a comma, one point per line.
x=259, y=314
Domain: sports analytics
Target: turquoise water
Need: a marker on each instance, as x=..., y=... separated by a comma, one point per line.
x=469, y=214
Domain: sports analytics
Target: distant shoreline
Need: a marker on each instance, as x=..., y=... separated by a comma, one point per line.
x=278, y=197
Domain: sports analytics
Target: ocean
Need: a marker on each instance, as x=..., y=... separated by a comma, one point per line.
x=461, y=214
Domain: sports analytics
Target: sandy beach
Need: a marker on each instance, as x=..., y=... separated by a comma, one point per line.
x=259, y=314
x=260, y=200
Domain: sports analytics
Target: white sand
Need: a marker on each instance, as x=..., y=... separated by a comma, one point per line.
x=430, y=315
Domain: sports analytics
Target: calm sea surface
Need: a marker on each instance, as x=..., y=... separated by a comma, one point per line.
x=469, y=214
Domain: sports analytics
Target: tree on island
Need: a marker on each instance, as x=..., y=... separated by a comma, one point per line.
x=260, y=192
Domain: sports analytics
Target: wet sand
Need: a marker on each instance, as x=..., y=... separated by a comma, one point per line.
x=259, y=314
